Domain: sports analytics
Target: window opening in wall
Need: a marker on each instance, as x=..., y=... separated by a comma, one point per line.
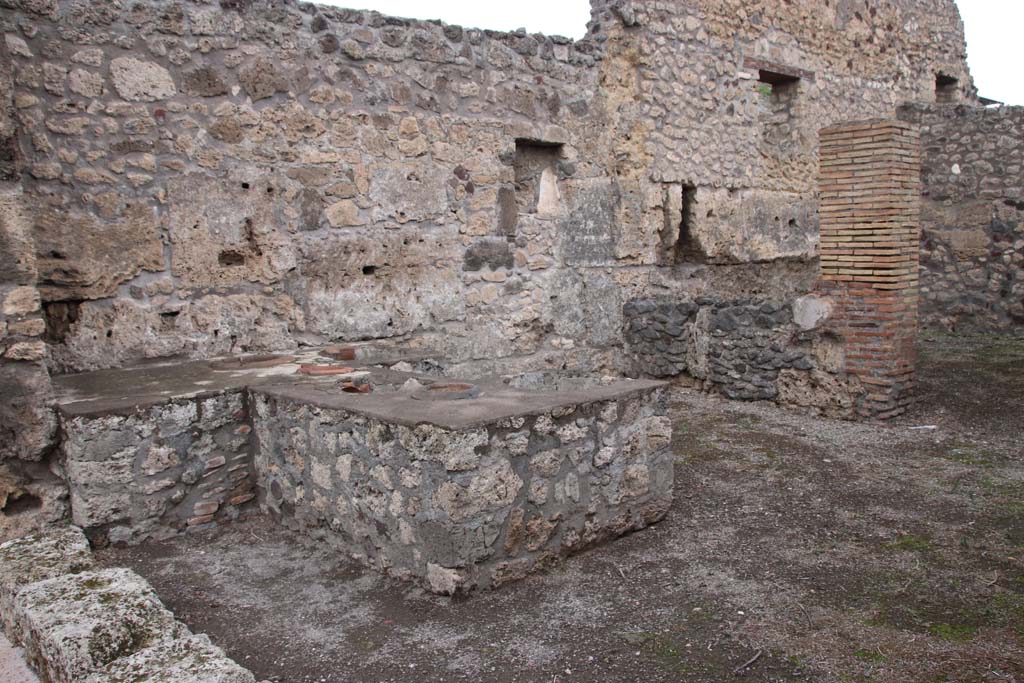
x=536, y=178
x=778, y=87
x=945, y=88
x=778, y=95
x=687, y=246
x=20, y=504
x=60, y=317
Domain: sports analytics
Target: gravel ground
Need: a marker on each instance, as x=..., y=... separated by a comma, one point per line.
x=798, y=549
x=12, y=664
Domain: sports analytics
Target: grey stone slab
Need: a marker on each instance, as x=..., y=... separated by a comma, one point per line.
x=73, y=625
x=36, y=557
x=193, y=659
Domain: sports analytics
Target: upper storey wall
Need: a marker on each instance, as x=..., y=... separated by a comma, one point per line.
x=729, y=96
x=712, y=121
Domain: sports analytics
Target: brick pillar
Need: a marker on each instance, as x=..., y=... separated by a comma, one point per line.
x=870, y=237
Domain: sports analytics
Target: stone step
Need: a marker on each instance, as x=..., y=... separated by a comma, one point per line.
x=193, y=659
x=36, y=557
x=73, y=625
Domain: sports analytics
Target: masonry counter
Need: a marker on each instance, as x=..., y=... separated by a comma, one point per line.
x=454, y=483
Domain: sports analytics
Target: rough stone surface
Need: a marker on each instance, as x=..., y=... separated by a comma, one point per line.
x=738, y=347
x=199, y=171
x=154, y=472
x=31, y=492
x=73, y=625
x=104, y=626
x=36, y=557
x=140, y=81
x=193, y=659
x=459, y=509
x=811, y=311
x=33, y=495
x=972, y=218
x=193, y=179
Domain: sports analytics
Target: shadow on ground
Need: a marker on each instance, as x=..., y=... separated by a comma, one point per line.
x=798, y=549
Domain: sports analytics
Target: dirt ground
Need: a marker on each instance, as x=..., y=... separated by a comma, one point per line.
x=798, y=549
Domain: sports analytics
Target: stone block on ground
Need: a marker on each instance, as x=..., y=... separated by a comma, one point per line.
x=74, y=625
x=188, y=660
x=37, y=557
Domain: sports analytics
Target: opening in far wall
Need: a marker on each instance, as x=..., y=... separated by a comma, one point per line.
x=778, y=89
x=536, y=177
x=688, y=249
x=946, y=88
x=778, y=94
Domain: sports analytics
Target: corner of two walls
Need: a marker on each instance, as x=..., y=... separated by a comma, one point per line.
x=30, y=494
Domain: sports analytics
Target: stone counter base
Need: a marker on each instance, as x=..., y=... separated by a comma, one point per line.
x=155, y=471
x=452, y=491
x=78, y=624
x=457, y=509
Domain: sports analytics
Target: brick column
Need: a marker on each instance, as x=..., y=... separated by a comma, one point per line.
x=870, y=239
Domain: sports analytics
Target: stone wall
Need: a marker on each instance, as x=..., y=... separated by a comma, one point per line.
x=848, y=349
x=155, y=471
x=972, y=213
x=28, y=491
x=213, y=178
x=737, y=347
x=210, y=178
x=729, y=120
x=475, y=507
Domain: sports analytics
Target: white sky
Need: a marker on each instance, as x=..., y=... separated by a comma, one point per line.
x=995, y=50
x=552, y=17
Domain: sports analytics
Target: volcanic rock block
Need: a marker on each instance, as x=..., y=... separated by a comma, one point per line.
x=140, y=81
x=75, y=624
x=188, y=660
x=37, y=557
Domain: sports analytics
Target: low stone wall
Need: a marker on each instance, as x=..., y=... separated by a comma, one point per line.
x=461, y=508
x=78, y=624
x=659, y=336
x=737, y=347
x=155, y=471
